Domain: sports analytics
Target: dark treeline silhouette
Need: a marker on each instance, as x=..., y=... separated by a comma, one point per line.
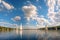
x=5, y=29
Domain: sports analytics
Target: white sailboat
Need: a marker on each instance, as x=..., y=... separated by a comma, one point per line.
x=21, y=27
x=20, y=30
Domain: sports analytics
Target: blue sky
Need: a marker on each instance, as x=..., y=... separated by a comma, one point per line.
x=29, y=13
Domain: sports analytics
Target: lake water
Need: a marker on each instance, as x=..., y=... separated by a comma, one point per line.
x=30, y=35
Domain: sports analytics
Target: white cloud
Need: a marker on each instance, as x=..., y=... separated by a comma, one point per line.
x=54, y=11
x=6, y=24
x=30, y=11
x=16, y=18
x=42, y=22
x=0, y=1
x=7, y=6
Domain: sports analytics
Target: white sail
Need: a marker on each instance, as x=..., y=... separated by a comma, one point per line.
x=21, y=27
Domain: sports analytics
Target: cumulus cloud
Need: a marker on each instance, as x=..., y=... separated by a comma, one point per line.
x=16, y=18
x=31, y=13
x=54, y=11
x=42, y=22
x=6, y=5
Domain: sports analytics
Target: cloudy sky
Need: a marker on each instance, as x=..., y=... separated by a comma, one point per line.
x=29, y=13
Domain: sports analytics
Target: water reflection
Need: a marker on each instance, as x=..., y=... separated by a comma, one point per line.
x=41, y=35
x=19, y=32
x=30, y=35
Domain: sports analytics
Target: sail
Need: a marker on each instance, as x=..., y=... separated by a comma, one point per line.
x=21, y=27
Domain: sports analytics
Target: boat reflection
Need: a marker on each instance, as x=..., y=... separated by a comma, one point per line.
x=19, y=31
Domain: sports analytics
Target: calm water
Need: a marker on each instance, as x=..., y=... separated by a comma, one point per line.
x=30, y=35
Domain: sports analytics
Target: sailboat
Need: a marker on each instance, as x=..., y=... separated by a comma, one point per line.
x=21, y=27
x=20, y=30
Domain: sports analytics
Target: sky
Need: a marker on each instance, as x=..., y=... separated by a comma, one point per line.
x=29, y=13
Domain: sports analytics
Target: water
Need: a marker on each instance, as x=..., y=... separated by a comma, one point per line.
x=30, y=35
